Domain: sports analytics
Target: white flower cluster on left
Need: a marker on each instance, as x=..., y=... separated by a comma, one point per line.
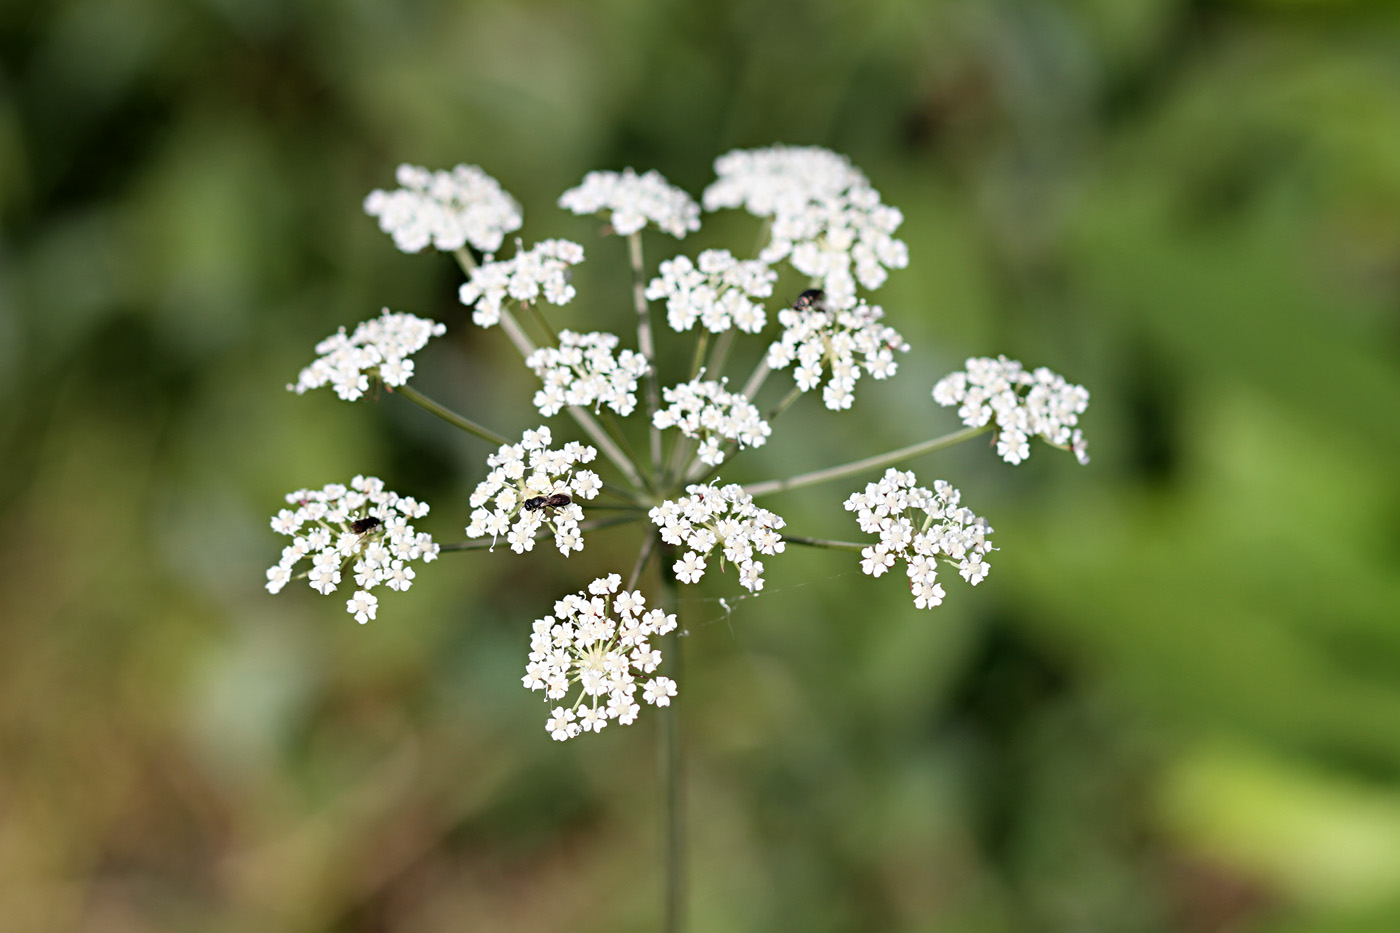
x=633, y=200
x=379, y=347
x=363, y=523
x=707, y=411
x=445, y=209
x=523, y=478
x=1024, y=404
x=598, y=640
x=583, y=371
x=818, y=336
x=542, y=269
x=711, y=516
x=919, y=526
x=717, y=290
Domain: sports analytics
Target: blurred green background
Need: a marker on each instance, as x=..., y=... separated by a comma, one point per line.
x=1173, y=706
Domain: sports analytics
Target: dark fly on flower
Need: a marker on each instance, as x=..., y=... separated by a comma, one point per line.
x=811, y=298
x=363, y=526
x=556, y=501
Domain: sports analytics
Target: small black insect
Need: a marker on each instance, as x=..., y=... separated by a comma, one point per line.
x=365, y=525
x=811, y=298
x=556, y=501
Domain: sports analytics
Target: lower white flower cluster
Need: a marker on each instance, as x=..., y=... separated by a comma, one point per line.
x=583, y=371
x=818, y=336
x=1024, y=404
x=598, y=639
x=535, y=487
x=379, y=347
x=363, y=523
x=717, y=290
x=919, y=526
x=713, y=516
x=706, y=410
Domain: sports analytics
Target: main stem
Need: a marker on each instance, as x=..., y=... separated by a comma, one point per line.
x=645, y=343
x=673, y=832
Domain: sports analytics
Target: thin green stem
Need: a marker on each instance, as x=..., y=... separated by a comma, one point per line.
x=465, y=259
x=760, y=373
x=720, y=356
x=673, y=832
x=539, y=317
x=645, y=342
x=643, y=556
x=702, y=343
x=889, y=458
x=785, y=403
x=448, y=415
x=824, y=543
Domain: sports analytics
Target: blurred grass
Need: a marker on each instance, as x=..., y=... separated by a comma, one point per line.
x=1174, y=705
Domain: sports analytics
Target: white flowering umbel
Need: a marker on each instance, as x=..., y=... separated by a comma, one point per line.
x=920, y=527
x=706, y=411
x=822, y=339
x=378, y=349
x=630, y=201
x=710, y=516
x=447, y=210
x=362, y=528
x=582, y=370
x=512, y=500
x=1023, y=404
x=717, y=290
x=541, y=271
x=599, y=640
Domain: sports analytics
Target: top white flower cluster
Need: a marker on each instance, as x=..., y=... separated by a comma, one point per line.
x=583, y=371
x=717, y=290
x=380, y=348
x=1024, y=404
x=535, y=486
x=599, y=640
x=819, y=336
x=632, y=200
x=919, y=526
x=826, y=218
x=364, y=523
x=710, y=516
x=446, y=210
x=542, y=269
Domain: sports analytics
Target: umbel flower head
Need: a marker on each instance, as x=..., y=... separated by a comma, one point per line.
x=822, y=340
x=1024, y=404
x=710, y=516
x=542, y=270
x=598, y=639
x=446, y=210
x=920, y=526
x=524, y=478
x=705, y=410
x=630, y=200
x=583, y=371
x=379, y=349
x=717, y=290
x=362, y=526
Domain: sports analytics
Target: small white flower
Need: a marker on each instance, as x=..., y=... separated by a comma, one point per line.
x=378, y=349
x=583, y=371
x=821, y=338
x=510, y=500
x=717, y=291
x=1023, y=404
x=446, y=210
x=541, y=271
x=597, y=640
x=633, y=200
x=358, y=526
x=920, y=526
x=705, y=410
x=711, y=516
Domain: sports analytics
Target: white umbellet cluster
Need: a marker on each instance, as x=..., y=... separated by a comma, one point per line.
x=919, y=527
x=445, y=209
x=523, y=477
x=633, y=200
x=723, y=516
x=717, y=290
x=362, y=523
x=599, y=640
x=542, y=269
x=819, y=337
x=583, y=371
x=705, y=410
x=1024, y=404
x=379, y=348
x=826, y=218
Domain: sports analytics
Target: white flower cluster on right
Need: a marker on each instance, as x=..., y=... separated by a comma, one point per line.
x=710, y=516
x=826, y=218
x=583, y=371
x=523, y=478
x=445, y=209
x=918, y=527
x=705, y=410
x=1024, y=404
x=364, y=523
x=818, y=336
x=543, y=268
x=600, y=641
x=633, y=200
x=717, y=290
x=379, y=348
